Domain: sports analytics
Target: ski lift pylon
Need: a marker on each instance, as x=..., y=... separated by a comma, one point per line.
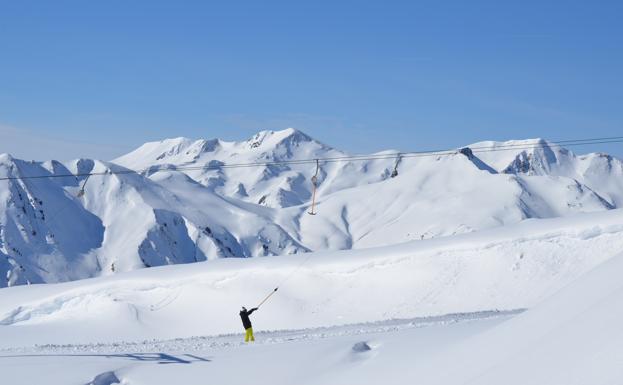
x=81, y=192
x=395, y=171
x=314, y=181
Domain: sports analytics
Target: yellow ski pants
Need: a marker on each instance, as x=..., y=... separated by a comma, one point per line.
x=249, y=335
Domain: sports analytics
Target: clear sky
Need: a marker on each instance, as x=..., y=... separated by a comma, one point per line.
x=98, y=78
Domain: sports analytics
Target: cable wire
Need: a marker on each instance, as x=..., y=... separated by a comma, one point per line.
x=352, y=158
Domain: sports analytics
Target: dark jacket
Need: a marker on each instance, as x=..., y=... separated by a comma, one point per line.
x=244, y=315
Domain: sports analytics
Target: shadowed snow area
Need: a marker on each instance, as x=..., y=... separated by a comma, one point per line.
x=108, y=378
x=361, y=347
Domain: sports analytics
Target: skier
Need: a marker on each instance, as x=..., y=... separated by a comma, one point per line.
x=246, y=322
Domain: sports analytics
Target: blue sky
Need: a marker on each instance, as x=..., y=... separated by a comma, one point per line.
x=98, y=78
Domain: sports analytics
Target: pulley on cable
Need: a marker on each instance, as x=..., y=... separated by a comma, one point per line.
x=287, y=278
x=314, y=181
x=81, y=192
x=395, y=172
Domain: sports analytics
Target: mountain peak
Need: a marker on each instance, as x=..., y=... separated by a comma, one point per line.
x=6, y=157
x=275, y=138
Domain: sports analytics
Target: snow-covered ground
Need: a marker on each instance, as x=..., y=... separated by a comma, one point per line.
x=440, y=311
x=504, y=268
x=468, y=268
x=364, y=354
x=574, y=337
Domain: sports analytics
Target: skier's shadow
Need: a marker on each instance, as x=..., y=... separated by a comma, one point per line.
x=159, y=358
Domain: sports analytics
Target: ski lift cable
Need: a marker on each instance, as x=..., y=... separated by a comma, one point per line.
x=353, y=158
x=412, y=154
x=324, y=160
x=371, y=157
x=286, y=279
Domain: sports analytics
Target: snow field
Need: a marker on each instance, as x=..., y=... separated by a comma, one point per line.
x=333, y=355
x=441, y=262
x=506, y=268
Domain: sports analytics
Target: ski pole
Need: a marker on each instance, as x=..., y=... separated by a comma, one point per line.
x=267, y=297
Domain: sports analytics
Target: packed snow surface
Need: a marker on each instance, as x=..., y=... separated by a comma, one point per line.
x=308, y=356
x=572, y=337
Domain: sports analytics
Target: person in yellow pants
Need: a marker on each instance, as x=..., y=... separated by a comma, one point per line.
x=249, y=335
x=246, y=322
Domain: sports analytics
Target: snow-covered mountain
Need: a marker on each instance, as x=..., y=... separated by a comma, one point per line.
x=124, y=220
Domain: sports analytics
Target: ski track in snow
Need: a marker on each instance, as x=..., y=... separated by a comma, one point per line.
x=201, y=343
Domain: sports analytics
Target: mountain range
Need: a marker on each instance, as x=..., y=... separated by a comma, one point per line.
x=181, y=200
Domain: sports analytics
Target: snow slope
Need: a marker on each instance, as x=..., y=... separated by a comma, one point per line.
x=46, y=235
x=122, y=222
x=571, y=337
x=504, y=268
x=49, y=232
x=336, y=355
